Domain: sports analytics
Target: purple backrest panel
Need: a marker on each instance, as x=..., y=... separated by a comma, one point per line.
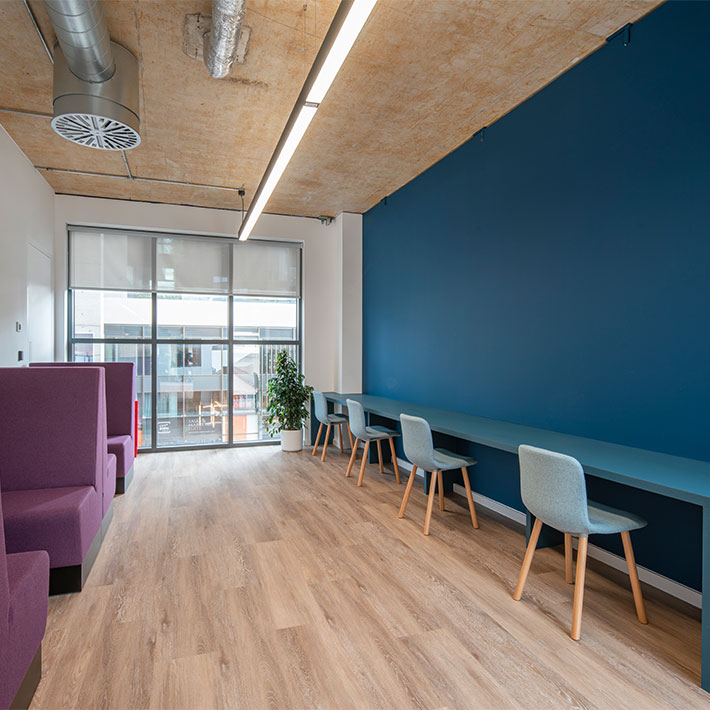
x=53, y=431
x=4, y=584
x=120, y=393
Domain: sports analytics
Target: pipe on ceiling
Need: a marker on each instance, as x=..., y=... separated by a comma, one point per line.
x=83, y=35
x=221, y=41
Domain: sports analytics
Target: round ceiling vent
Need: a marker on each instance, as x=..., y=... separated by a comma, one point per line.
x=102, y=115
x=96, y=131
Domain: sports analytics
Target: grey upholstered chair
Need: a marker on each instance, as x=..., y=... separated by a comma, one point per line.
x=554, y=491
x=367, y=434
x=328, y=419
x=419, y=449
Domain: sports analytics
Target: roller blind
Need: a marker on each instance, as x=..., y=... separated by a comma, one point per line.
x=192, y=265
x=110, y=260
x=123, y=261
x=267, y=269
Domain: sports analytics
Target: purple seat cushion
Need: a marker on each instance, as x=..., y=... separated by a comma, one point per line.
x=122, y=448
x=62, y=521
x=28, y=577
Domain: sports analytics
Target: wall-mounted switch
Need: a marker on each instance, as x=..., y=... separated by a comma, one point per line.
x=20, y=356
x=18, y=326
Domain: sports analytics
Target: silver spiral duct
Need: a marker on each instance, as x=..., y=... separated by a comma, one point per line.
x=83, y=35
x=221, y=41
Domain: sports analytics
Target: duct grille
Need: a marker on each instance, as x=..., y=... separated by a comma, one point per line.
x=96, y=131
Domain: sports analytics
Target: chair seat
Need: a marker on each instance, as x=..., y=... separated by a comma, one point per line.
x=447, y=460
x=605, y=520
x=337, y=419
x=123, y=449
x=63, y=521
x=26, y=618
x=28, y=579
x=378, y=432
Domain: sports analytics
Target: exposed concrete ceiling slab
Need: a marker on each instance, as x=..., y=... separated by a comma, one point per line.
x=421, y=79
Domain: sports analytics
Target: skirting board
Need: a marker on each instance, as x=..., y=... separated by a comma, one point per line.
x=653, y=579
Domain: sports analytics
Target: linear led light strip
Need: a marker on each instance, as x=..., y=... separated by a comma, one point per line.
x=342, y=33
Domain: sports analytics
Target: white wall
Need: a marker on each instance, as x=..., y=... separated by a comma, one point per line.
x=349, y=301
x=26, y=221
x=332, y=337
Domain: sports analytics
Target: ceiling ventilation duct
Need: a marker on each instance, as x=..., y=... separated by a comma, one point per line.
x=221, y=41
x=95, y=80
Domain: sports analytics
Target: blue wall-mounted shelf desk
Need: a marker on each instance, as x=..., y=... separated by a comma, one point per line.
x=673, y=476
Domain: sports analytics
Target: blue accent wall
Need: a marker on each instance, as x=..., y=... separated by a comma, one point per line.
x=558, y=273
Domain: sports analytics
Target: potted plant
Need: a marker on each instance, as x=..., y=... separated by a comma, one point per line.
x=288, y=397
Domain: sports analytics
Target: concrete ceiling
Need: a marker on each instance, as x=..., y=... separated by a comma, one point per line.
x=423, y=76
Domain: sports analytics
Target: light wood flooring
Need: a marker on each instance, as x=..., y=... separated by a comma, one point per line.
x=251, y=578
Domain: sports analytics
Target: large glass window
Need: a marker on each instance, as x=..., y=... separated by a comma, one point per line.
x=265, y=318
x=192, y=395
x=253, y=368
x=215, y=313
x=111, y=314
x=189, y=316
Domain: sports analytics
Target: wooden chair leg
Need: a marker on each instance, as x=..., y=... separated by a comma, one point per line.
x=325, y=443
x=634, y=577
x=320, y=430
x=440, y=477
x=379, y=455
x=469, y=495
x=352, y=459
x=579, y=589
x=569, y=577
x=527, y=560
x=394, y=460
x=430, y=503
x=340, y=436
x=362, y=465
x=350, y=434
x=408, y=490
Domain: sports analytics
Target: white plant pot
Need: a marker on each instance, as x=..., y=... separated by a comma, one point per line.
x=291, y=439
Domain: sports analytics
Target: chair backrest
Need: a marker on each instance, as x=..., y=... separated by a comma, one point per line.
x=321, y=404
x=356, y=415
x=417, y=442
x=120, y=393
x=553, y=489
x=53, y=433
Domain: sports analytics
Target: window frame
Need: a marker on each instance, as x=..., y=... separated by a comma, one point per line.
x=154, y=341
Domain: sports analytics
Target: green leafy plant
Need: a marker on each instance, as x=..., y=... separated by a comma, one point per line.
x=288, y=396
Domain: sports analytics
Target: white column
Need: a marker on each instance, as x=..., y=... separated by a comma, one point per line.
x=349, y=367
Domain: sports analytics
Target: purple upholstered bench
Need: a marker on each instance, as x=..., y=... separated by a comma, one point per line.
x=24, y=581
x=120, y=413
x=57, y=478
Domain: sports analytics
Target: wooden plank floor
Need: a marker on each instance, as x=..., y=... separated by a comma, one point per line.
x=251, y=578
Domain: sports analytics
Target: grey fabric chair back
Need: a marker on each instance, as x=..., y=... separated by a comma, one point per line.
x=321, y=407
x=417, y=442
x=357, y=420
x=553, y=489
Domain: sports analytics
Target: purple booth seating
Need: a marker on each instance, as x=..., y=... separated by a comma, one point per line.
x=24, y=580
x=58, y=479
x=120, y=413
